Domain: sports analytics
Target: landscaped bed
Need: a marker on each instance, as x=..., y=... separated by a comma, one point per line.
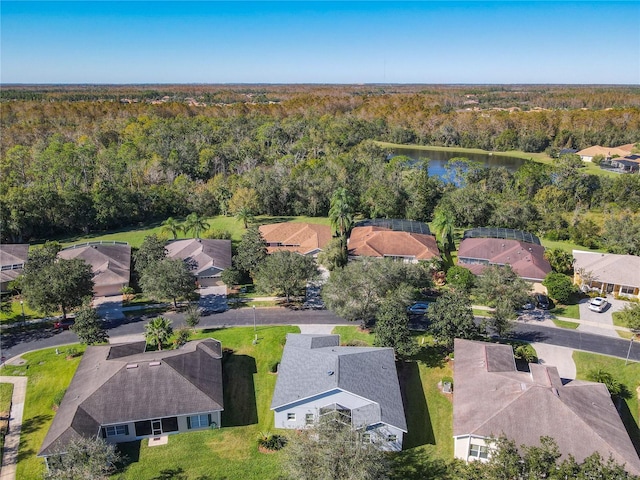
x=6, y=391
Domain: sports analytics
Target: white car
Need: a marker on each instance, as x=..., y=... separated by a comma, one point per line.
x=598, y=304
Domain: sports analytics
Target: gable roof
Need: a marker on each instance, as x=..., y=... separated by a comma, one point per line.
x=382, y=242
x=526, y=259
x=609, y=267
x=493, y=398
x=303, y=238
x=606, y=151
x=206, y=257
x=110, y=263
x=315, y=364
x=104, y=391
x=12, y=259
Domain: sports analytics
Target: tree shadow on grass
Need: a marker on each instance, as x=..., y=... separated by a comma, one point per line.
x=420, y=431
x=33, y=424
x=239, y=392
x=417, y=464
x=130, y=452
x=433, y=356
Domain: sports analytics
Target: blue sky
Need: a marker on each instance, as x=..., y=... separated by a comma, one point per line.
x=320, y=42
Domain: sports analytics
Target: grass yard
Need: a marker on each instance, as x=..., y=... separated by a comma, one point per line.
x=628, y=375
x=48, y=375
x=14, y=314
x=6, y=391
x=565, y=324
x=349, y=334
x=135, y=235
x=569, y=311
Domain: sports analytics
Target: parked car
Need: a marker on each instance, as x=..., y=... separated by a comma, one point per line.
x=418, y=308
x=63, y=324
x=598, y=304
x=529, y=304
x=542, y=301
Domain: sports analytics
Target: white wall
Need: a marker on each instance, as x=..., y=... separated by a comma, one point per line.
x=461, y=446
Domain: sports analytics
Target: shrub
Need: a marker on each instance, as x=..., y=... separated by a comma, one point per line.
x=559, y=286
x=272, y=442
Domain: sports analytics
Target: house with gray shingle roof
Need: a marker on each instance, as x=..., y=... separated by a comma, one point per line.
x=122, y=393
x=13, y=256
x=206, y=258
x=317, y=376
x=607, y=273
x=492, y=398
x=110, y=263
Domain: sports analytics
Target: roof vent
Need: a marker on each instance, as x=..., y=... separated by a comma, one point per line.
x=154, y=364
x=132, y=365
x=555, y=391
x=329, y=372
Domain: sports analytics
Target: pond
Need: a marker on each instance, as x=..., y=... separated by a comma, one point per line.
x=438, y=159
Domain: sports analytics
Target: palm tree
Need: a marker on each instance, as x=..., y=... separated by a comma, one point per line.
x=244, y=214
x=158, y=331
x=195, y=223
x=341, y=212
x=171, y=225
x=443, y=225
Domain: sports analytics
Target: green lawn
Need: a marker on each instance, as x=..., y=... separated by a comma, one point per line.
x=569, y=311
x=565, y=324
x=15, y=313
x=6, y=391
x=628, y=375
x=135, y=235
x=48, y=374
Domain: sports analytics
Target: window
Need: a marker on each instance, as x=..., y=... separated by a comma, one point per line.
x=143, y=428
x=478, y=451
x=116, y=430
x=170, y=424
x=291, y=416
x=198, y=421
x=392, y=438
x=627, y=290
x=308, y=418
x=366, y=438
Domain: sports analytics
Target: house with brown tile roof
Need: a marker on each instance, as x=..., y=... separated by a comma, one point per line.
x=492, y=398
x=122, y=393
x=607, y=273
x=302, y=238
x=380, y=242
x=526, y=259
x=13, y=256
x=206, y=258
x=110, y=263
x=587, y=154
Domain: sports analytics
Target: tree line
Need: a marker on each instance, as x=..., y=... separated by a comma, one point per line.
x=79, y=166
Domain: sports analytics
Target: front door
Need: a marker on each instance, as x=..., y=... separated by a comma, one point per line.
x=156, y=427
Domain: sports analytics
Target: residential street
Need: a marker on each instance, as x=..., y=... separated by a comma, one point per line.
x=13, y=345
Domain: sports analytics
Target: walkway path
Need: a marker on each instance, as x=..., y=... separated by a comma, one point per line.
x=12, y=440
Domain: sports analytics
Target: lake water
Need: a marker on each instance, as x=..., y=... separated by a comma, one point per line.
x=438, y=159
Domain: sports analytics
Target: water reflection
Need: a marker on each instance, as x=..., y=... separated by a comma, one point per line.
x=438, y=159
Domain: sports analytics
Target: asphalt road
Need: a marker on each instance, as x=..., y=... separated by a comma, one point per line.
x=16, y=344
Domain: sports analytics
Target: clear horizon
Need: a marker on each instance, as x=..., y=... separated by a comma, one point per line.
x=348, y=43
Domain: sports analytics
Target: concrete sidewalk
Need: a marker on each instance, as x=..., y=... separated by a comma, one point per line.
x=12, y=440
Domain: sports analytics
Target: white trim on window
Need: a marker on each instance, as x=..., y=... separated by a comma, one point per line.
x=291, y=417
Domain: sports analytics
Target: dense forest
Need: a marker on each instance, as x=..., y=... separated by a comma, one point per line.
x=85, y=158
